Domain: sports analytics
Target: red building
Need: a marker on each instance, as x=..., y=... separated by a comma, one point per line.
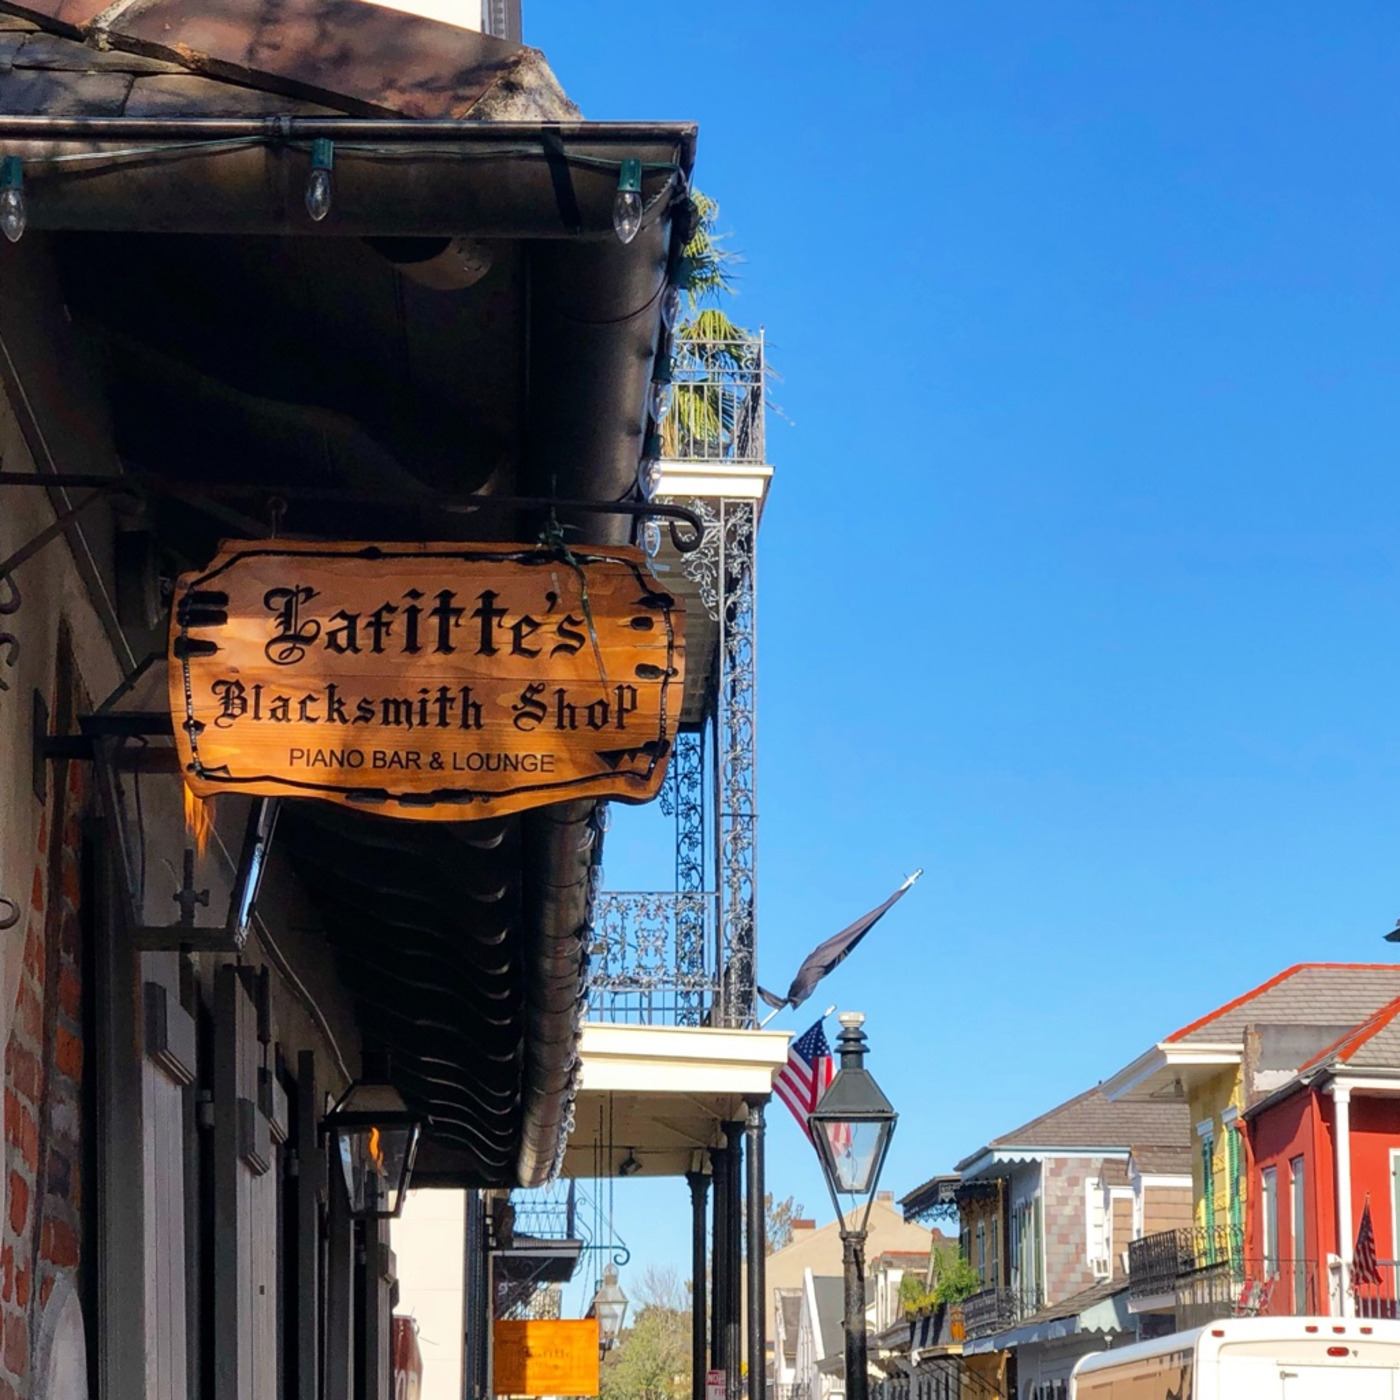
x=1320, y=1149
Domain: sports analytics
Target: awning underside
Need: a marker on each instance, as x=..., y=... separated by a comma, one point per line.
x=264, y=350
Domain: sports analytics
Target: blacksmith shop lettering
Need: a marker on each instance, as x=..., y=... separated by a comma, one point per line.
x=402, y=627
x=446, y=707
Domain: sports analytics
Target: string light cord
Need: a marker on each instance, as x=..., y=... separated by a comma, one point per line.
x=364, y=149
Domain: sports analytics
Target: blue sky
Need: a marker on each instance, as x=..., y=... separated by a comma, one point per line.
x=1079, y=578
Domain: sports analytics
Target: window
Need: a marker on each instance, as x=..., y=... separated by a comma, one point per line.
x=1298, y=1228
x=1268, y=1209
x=1025, y=1249
x=1096, y=1220
x=995, y=1251
x=982, y=1250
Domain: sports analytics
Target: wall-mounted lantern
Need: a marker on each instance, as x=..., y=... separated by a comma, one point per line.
x=185, y=879
x=375, y=1137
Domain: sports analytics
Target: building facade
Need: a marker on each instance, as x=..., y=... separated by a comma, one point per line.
x=327, y=327
x=1219, y=1066
x=1047, y=1213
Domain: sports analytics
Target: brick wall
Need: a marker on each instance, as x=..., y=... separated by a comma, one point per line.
x=40, y=1236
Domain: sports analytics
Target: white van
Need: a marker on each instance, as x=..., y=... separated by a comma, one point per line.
x=1252, y=1358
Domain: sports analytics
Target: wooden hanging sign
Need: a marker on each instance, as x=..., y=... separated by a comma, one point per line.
x=427, y=681
x=545, y=1356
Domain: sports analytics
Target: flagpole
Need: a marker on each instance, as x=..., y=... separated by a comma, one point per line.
x=853, y=934
x=829, y=1010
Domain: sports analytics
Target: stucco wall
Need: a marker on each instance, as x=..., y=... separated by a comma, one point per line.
x=820, y=1250
x=1280, y=1133
x=429, y=1242
x=1375, y=1133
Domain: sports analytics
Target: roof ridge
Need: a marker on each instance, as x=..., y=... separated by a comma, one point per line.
x=1269, y=985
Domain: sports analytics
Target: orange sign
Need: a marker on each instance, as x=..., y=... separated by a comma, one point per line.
x=431, y=681
x=546, y=1357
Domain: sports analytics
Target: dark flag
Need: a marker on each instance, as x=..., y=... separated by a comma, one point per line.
x=823, y=958
x=1363, y=1264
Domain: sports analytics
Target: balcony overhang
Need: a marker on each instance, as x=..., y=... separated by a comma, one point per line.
x=994, y=1162
x=527, y=1260
x=174, y=310
x=658, y=1094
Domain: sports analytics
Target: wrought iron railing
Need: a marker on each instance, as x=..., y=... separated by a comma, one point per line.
x=717, y=406
x=653, y=960
x=1163, y=1262
x=520, y=1300
x=1208, y=1276
x=549, y=1213
x=994, y=1309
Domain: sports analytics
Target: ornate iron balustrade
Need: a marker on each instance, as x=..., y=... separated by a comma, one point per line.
x=1165, y=1262
x=717, y=407
x=995, y=1309
x=523, y=1301
x=652, y=959
x=549, y=1213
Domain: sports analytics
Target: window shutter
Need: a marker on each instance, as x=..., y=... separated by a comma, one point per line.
x=167, y=1069
x=247, y=1213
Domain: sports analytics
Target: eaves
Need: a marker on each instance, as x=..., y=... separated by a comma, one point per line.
x=1168, y=1055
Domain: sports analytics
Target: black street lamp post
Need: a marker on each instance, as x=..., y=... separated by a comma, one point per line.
x=851, y=1127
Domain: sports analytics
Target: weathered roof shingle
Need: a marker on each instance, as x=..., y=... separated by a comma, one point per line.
x=1308, y=994
x=1091, y=1120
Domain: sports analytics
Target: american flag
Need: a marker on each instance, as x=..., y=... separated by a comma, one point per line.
x=1363, y=1264
x=807, y=1074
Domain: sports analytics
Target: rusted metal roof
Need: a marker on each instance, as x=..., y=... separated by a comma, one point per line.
x=343, y=55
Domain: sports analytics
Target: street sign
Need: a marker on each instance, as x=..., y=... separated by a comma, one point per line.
x=545, y=1357
x=426, y=681
x=714, y=1385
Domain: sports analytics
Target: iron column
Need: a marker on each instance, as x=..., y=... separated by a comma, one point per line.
x=758, y=1249
x=699, y=1184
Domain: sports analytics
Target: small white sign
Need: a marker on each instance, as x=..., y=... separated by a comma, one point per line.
x=714, y=1385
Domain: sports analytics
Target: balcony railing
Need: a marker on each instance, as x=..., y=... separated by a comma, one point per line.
x=549, y=1213
x=653, y=959
x=995, y=1309
x=1161, y=1263
x=717, y=402
x=1208, y=1276
x=1379, y=1299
